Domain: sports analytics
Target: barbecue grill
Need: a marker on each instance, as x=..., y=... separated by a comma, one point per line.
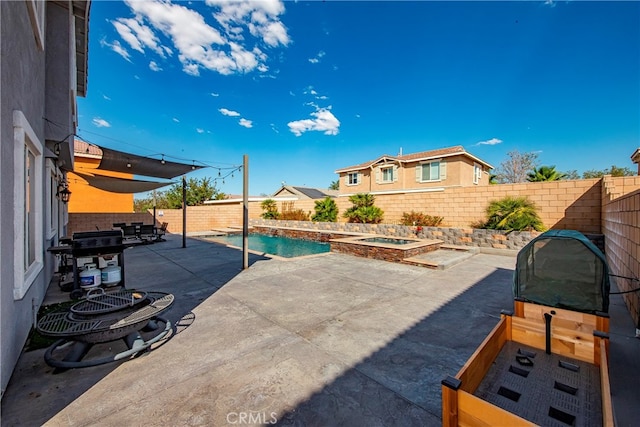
x=93, y=244
x=104, y=317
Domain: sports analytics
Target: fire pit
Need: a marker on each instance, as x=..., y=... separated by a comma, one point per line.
x=104, y=317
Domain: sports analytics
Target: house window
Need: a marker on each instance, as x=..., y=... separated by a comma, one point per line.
x=477, y=173
x=52, y=200
x=386, y=174
x=353, y=178
x=430, y=171
x=28, y=222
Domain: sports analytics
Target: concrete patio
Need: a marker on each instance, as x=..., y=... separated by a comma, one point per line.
x=326, y=340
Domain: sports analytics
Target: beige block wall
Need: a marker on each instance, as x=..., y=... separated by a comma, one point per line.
x=87, y=221
x=621, y=227
x=561, y=204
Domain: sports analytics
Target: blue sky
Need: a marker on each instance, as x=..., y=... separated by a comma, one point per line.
x=305, y=88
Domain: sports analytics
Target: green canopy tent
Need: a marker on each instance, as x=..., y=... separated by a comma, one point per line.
x=563, y=269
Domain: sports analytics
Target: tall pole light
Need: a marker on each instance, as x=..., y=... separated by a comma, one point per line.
x=245, y=212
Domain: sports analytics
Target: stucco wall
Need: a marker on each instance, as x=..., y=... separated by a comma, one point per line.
x=85, y=198
x=621, y=227
x=22, y=77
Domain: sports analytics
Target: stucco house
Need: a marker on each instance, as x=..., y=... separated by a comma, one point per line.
x=425, y=171
x=87, y=198
x=303, y=193
x=44, y=69
x=635, y=158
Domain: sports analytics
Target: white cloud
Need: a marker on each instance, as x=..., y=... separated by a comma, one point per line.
x=228, y=45
x=215, y=94
x=199, y=130
x=323, y=121
x=230, y=113
x=117, y=48
x=492, y=141
x=101, y=123
x=176, y=120
x=318, y=57
x=246, y=123
x=154, y=66
x=106, y=97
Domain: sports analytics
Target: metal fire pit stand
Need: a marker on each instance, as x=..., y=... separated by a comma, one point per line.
x=73, y=359
x=104, y=317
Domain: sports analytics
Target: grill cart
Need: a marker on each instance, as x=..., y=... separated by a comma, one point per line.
x=545, y=363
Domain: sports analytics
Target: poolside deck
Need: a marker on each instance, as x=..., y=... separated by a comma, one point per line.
x=326, y=340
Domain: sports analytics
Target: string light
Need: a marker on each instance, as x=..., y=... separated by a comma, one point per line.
x=162, y=161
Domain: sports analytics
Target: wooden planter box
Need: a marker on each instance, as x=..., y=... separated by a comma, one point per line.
x=514, y=379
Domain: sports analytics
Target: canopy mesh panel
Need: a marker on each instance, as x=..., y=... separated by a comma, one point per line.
x=562, y=268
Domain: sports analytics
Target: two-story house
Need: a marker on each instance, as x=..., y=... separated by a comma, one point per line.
x=44, y=69
x=418, y=172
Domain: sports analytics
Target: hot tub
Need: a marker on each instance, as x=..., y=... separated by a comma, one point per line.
x=394, y=249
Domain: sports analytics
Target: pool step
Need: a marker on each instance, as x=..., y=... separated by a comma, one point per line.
x=444, y=257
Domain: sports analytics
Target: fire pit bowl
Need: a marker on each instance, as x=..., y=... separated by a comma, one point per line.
x=103, y=318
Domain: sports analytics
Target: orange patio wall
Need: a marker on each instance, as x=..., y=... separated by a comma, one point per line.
x=85, y=198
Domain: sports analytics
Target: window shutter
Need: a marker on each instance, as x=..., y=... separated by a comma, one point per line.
x=377, y=175
x=395, y=173
x=359, y=178
x=419, y=173
x=346, y=179
x=443, y=170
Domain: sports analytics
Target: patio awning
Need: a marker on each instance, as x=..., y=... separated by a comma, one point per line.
x=118, y=161
x=121, y=185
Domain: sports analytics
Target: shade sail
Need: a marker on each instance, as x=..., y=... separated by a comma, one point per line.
x=121, y=185
x=119, y=161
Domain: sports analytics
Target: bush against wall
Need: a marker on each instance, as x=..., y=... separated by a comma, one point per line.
x=419, y=219
x=363, y=209
x=513, y=214
x=326, y=210
x=294, y=215
x=269, y=209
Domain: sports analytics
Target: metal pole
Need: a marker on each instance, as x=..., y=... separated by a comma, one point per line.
x=154, y=208
x=184, y=211
x=245, y=213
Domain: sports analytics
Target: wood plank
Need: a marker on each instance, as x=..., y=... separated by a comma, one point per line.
x=472, y=373
x=449, y=407
x=567, y=342
x=605, y=386
x=475, y=412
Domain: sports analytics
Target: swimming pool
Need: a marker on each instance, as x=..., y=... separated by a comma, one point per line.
x=286, y=247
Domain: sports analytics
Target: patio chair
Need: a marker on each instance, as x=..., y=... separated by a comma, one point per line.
x=161, y=231
x=129, y=233
x=147, y=233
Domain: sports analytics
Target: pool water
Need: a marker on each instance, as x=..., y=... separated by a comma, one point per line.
x=286, y=247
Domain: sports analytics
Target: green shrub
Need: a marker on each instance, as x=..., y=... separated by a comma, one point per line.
x=419, y=219
x=326, y=210
x=363, y=211
x=270, y=209
x=513, y=214
x=294, y=215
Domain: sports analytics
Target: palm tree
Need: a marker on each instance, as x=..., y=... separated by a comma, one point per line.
x=513, y=214
x=544, y=173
